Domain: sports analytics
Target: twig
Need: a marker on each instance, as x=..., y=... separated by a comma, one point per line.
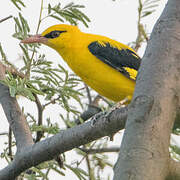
x=88, y=93
x=33, y=53
x=96, y=100
x=90, y=169
x=6, y=18
x=53, y=101
x=59, y=160
x=12, y=70
x=92, y=144
x=105, y=100
x=39, y=134
x=10, y=144
x=3, y=133
x=141, y=36
x=40, y=114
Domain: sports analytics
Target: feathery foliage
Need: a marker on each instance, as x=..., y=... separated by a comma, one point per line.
x=48, y=84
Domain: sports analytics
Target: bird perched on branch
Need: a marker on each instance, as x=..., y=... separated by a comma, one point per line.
x=107, y=66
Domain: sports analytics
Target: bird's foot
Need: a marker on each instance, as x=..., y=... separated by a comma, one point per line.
x=106, y=114
x=117, y=106
x=96, y=117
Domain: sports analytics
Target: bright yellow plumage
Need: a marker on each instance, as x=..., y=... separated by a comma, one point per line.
x=93, y=58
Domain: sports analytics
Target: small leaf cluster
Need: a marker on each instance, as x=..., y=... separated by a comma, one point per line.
x=43, y=82
x=70, y=13
x=21, y=27
x=55, y=82
x=80, y=173
x=18, y=3
x=175, y=152
x=19, y=86
x=146, y=8
x=97, y=161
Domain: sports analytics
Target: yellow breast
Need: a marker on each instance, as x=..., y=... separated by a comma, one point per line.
x=102, y=78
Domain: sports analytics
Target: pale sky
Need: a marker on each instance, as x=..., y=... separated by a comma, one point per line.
x=115, y=19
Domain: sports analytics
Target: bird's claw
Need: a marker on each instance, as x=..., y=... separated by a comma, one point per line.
x=106, y=114
x=96, y=117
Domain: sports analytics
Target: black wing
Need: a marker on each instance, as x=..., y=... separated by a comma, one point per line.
x=119, y=59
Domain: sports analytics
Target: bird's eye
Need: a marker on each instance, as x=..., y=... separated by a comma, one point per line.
x=54, y=34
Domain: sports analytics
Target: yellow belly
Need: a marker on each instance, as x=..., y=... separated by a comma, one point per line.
x=113, y=87
x=107, y=81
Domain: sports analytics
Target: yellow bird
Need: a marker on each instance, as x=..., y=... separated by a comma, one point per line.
x=107, y=66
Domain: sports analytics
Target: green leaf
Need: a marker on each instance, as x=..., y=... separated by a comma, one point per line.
x=18, y=23
x=27, y=58
x=49, y=8
x=146, y=13
x=17, y=3
x=21, y=28
x=3, y=55
x=68, y=5
x=70, y=13
x=12, y=91
x=58, y=171
x=56, y=17
x=78, y=172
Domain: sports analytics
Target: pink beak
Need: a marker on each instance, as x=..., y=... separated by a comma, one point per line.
x=35, y=39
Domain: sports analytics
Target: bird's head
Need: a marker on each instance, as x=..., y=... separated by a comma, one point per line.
x=56, y=37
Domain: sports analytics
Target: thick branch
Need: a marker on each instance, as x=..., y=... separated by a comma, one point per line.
x=65, y=140
x=145, y=147
x=14, y=115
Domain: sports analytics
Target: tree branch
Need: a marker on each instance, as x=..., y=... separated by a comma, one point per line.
x=5, y=68
x=14, y=115
x=145, y=146
x=65, y=140
x=88, y=93
x=40, y=108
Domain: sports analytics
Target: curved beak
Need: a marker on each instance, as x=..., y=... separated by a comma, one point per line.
x=35, y=39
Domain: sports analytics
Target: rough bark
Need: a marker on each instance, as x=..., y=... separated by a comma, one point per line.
x=144, y=152
x=174, y=173
x=64, y=141
x=14, y=116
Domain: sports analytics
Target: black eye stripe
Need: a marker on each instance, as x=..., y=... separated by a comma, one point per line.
x=53, y=34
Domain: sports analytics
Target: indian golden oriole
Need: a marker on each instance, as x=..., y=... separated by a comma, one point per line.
x=107, y=66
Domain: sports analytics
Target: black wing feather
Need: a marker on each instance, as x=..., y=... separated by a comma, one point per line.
x=114, y=57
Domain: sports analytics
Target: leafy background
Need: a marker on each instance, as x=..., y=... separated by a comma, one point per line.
x=62, y=95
